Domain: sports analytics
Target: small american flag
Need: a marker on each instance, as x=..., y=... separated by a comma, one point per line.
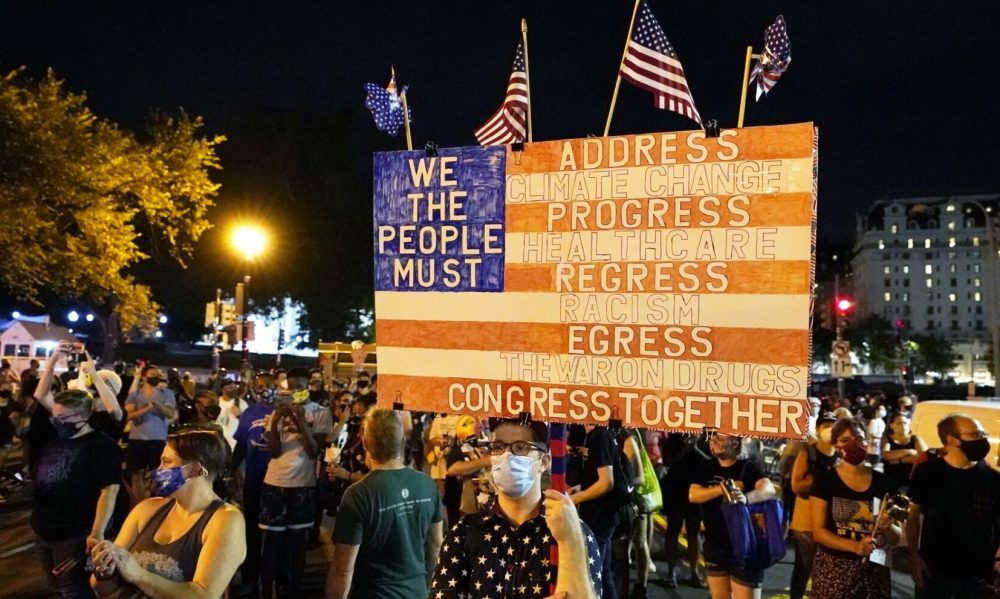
x=509, y=123
x=385, y=105
x=652, y=64
x=774, y=59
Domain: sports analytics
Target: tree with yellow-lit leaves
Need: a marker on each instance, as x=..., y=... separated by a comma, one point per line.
x=83, y=201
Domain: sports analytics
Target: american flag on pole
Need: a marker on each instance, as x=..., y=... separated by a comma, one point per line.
x=774, y=59
x=509, y=123
x=385, y=105
x=652, y=64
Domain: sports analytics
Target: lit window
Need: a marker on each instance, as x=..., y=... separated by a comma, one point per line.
x=977, y=282
x=952, y=267
x=930, y=283
x=895, y=229
x=977, y=296
x=927, y=243
x=881, y=244
x=906, y=296
x=906, y=269
x=928, y=269
x=951, y=242
x=909, y=243
x=951, y=207
x=887, y=270
x=951, y=226
x=975, y=242
x=952, y=297
x=887, y=296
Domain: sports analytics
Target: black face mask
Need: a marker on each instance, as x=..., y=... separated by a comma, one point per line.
x=212, y=412
x=315, y=395
x=362, y=384
x=65, y=430
x=975, y=450
x=153, y=380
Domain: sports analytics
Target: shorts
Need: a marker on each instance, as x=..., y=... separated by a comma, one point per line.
x=141, y=455
x=720, y=566
x=287, y=508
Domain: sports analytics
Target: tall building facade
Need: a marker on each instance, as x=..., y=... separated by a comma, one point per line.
x=928, y=263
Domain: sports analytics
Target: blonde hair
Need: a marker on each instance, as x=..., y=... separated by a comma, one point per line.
x=76, y=399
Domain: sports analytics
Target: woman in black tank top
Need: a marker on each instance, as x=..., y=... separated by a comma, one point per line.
x=186, y=542
x=900, y=449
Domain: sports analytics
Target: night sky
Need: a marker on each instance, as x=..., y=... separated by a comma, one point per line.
x=906, y=100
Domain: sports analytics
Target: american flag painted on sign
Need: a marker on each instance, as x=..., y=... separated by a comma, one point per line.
x=651, y=63
x=509, y=123
x=632, y=277
x=774, y=58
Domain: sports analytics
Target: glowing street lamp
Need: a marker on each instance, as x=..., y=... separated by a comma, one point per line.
x=249, y=240
x=73, y=316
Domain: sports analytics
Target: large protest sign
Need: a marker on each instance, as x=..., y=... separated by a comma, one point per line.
x=663, y=280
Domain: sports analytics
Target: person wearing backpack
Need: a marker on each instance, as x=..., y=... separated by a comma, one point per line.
x=600, y=494
x=647, y=499
x=725, y=576
x=818, y=457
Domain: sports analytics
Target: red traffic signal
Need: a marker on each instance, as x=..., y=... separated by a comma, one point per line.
x=844, y=305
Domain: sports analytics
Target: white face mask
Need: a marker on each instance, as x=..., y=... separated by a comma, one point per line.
x=513, y=475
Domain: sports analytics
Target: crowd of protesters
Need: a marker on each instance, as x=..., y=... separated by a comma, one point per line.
x=148, y=484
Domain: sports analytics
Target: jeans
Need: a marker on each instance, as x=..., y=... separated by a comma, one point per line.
x=73, y=583
x=251, y=513
x=805, y=551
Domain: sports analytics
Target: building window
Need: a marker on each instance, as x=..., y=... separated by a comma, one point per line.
x=906, y=296
x=954, y=282
x=952, y=267
x=975, y=268
x=975, y=242
x=895, y=229
x=954, y=310
x=930, y=309
x=887, y=282
x=951, y=242
x=906, y=282
x=906, y=269
x=927, y=243
x=928, y=269
x=951, y=225
x=979, y=309
x=887, y=270
x=930, y=283
x=881, y=244
x=909, y=243
x=952, y=297
x=951, y=208
x=979, y=325
x=976, y=282
x=954, y=325
x=888, y=296
x=977, y=296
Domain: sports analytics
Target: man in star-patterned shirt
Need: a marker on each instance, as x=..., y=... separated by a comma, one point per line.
x=503, y=552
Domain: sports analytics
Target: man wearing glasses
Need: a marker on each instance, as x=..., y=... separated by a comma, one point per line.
x=504, y=551
x=955, y=548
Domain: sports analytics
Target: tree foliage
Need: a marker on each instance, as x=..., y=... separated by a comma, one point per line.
x=875, y=342
x=930, y=353
x=84, y=201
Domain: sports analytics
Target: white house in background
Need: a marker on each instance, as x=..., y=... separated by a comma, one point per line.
x=24, y=339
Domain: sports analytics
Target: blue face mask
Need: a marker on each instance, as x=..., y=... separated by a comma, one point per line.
x=513, y=475
x=166, y=481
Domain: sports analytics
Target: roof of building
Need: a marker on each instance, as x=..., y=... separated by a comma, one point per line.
x=43, y=331
x=924, y=212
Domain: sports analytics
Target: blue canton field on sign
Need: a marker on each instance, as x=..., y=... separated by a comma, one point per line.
x=439, y=221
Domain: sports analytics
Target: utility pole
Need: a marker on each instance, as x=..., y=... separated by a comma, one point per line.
x=838, y=327
x=216, y=357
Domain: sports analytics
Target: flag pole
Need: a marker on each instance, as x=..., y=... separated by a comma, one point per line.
x=746, y=83
x=618, y=80
x=527, y=74
x=406, y=121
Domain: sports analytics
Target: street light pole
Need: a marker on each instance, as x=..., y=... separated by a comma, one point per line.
x=246, y=318
x=993, y=266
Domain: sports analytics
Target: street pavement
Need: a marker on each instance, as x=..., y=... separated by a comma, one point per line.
x=22, y=578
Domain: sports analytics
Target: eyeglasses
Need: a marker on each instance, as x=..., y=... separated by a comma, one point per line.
x=520, y=448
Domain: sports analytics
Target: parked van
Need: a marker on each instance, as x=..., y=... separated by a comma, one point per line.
x=927, y=414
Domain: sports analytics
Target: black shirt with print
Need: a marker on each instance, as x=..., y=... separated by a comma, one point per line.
x=484, y=556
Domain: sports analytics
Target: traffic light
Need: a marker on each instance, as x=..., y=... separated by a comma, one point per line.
x=844, y=305
x=826, y=316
